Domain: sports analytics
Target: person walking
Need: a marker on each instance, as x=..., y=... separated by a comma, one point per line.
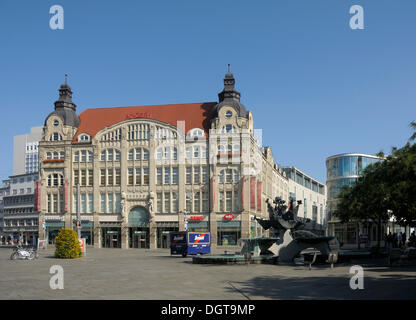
x=395, y=240
x=404, y=239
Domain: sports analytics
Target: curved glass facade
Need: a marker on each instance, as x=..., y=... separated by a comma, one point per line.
x=347, y=165
x=343, y=169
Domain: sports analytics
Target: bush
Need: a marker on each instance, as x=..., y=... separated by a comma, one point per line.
x=67, y=245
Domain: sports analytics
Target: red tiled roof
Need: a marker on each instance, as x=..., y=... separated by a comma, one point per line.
x=195, y=115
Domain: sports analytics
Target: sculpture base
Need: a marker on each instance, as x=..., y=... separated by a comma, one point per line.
x=234, y=259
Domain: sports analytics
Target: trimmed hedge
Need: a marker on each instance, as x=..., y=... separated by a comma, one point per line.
x=67, y=245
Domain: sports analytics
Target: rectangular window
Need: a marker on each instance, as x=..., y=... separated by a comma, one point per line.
x=138, y=176
x=76, y=157
x=90, y=203
x=75, y=202
x=110, y=155
x=83, y=203
x=61, y=203
x=118, y=176
x=205, y=175
x=221, y=196
x=83, y=156
x=229, y=201
x=76, y=177
x=197, y=175
x=83, y=178
x=228, y=176
x=102, y=177
x=236, y=202
x=138, y=154
x=221, y=176
x=90, y=177
x=49, y=203
x=175, y=175
x=145, y=176
x=118, y=203
x=167, y=202
x=197, y=202
x=103, y=203
x=118, y=155
x=205, y=202
x=110, y=180
x=167, y=175
x=236, y=176
x=130, y=176
x=159, y=176
x=90, y=156
x=110, y=203
x=55, y=203
x=175, y=203
x=188, y=175
x=189, y=202
x=159, y=202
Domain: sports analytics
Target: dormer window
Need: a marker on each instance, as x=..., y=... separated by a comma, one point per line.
x=196, y=134
x=83, y=138
x=228, y=129
x=55, y=137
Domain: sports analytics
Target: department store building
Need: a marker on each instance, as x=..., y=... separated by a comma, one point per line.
x=145, y=171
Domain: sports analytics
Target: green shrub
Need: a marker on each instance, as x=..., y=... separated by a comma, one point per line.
x=67, y=245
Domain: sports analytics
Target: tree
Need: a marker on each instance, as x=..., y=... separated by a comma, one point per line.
x=67, y=244
x=386, y=188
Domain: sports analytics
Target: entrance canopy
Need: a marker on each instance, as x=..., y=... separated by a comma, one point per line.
x=139, y=217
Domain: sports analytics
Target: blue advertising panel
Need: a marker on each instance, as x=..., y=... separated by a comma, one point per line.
x=199, y=238
x=199, y=242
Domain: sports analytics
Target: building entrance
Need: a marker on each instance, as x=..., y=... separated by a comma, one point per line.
x=111, y=237
x=138, y=223
x=139, y=238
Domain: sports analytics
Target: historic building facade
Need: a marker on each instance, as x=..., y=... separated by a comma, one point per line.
x=146, y=171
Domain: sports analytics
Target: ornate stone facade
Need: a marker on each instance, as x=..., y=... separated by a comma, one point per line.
x=146, y=171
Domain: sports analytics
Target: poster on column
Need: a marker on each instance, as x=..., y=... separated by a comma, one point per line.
x=83, y=245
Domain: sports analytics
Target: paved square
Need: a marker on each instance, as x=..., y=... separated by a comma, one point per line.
x=154, y=274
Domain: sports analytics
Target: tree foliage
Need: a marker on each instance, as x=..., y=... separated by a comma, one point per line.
x=67, y=244
x=386, y=188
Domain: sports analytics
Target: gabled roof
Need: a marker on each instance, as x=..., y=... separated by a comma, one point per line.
x=195, y=115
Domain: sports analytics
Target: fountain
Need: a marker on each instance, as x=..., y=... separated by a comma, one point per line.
x=288, y=239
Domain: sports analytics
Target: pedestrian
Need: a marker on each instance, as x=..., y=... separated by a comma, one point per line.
x=412, y=239
x=395, y=240
x=389, y=240
x=404, y=239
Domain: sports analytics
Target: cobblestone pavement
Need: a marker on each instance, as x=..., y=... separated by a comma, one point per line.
x=154, y=274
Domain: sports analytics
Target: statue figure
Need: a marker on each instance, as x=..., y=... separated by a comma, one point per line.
x=123, y=204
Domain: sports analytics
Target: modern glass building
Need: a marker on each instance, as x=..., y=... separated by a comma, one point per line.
x=344, y=169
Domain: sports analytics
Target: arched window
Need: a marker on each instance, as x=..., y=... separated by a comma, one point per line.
x=83, y=137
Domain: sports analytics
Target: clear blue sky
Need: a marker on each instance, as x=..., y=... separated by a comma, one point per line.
x=315, y=87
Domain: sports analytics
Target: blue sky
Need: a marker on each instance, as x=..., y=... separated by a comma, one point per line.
x=316, y=88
